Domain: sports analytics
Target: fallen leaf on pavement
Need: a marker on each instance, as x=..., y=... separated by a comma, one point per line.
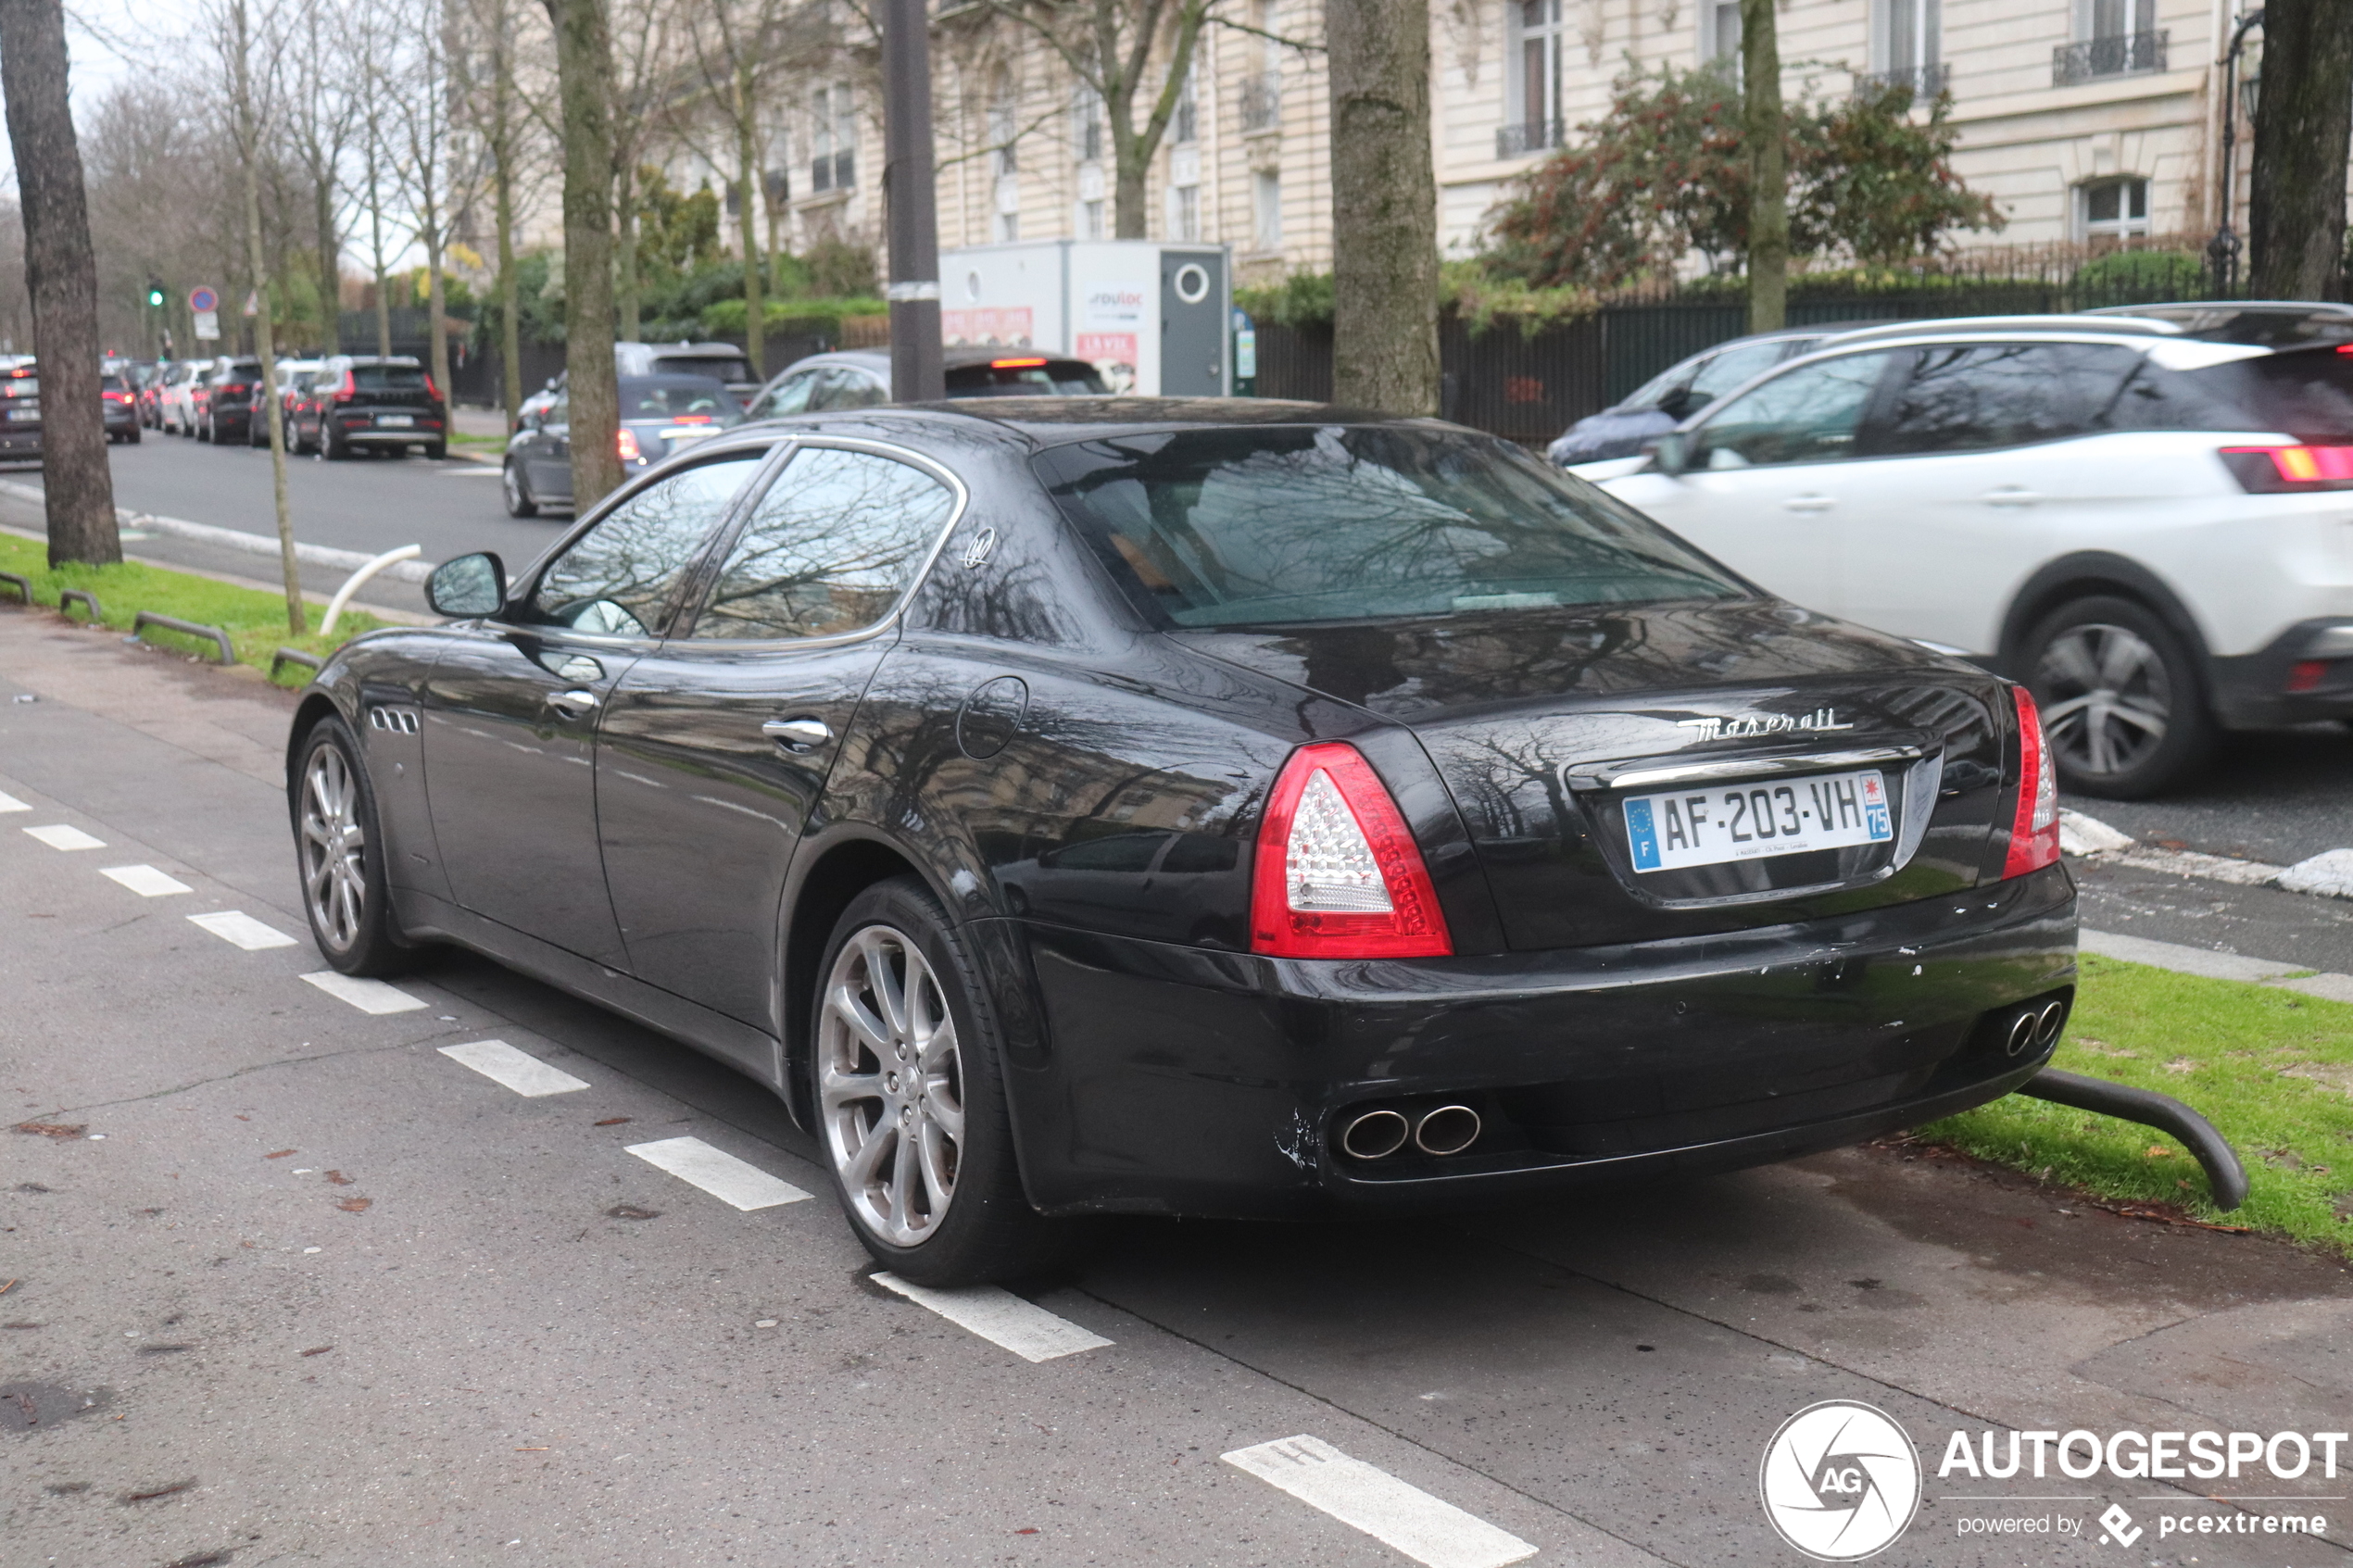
x=53, y=1129
x=318, y=1350
x=631, y=1211
x=541, y=1450
x=280, y=1154
x=355, y=1205
x=160, y=1492
x=340, y=1179
x=612, y=1120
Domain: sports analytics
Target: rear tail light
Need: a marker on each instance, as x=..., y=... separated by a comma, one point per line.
x=1025, y=364
x=2308, y=674
x=347, y=390
x=432, y=391
x=1338, y=874
x=628, y=445
x=2269, y=471
x=690, y=418
x=2034, y=836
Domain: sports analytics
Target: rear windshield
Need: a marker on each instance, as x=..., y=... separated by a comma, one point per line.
x=1286, y=525
x=111, y=384
x=387, y=378
x=26, y=386
x=241, y=375
x=683, y=399
x=1066, y=378
x=2305, y=392
x=721, y=368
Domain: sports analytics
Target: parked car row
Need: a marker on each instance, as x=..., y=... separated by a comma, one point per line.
x=336, y=408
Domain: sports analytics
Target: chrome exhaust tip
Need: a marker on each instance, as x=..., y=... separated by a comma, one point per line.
x=1374, y=1135
x=1450, y=1129
x=2021, y=1032
x=2047, y=1021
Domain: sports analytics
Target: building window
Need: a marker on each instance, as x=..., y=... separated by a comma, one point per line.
x=1086, y=126
x=1532, y=79
x=2113, y=208
x=1911, y=46
x=1184, y=126
x=1267, y=209
x=2122, y=40
x=1184, y=212
x=1091, y=220
x=1720, y=34
x=832, y=139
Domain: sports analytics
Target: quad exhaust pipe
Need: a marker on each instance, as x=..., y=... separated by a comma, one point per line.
x=2035, y=1027
x=1441, y=1130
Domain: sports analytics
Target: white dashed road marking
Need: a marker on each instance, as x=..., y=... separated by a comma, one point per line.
x=717, y=1172
x=146, y=881
x=1431, y=1532
x=519, y=1071
x=1002, y=1318
x=10, y=803
x=64, y=837
x=368, y=996
x=236, y=925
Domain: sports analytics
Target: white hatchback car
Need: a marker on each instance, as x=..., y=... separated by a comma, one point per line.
x=2150, y=527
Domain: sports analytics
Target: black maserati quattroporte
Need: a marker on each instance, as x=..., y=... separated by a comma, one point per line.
x=1087, y=806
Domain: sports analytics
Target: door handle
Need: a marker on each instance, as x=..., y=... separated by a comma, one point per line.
x=1809, y=503
x=797, y=734
x=572, y=705
x=2009, y=496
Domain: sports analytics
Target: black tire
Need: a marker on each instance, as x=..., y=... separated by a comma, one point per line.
x=339, y=858
x=2122, y=698
x=520, y=500
x=204, y=431
x=983, y=1229
x=436, y=450
x=332, y=449
x=133, y=437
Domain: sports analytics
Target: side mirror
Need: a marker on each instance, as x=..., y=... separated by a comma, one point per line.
x=1671, y=453
x=551, y=384
x=468, y=587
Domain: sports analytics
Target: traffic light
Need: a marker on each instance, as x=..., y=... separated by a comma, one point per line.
x=155, y=296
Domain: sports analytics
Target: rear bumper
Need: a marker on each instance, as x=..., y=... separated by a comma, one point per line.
x=2250, y=690
x=1162, y=1079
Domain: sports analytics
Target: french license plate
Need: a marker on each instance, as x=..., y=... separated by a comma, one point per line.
x=24, y=413
x=1749, y=821
x=396, y=422
x=678, y=433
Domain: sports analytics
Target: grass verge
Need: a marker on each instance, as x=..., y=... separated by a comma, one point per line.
x=255, y=621
x=485, y=443
x=2272, y=1069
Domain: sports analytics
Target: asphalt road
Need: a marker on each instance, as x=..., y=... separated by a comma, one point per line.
x=302, y=1288
x=2279, y=796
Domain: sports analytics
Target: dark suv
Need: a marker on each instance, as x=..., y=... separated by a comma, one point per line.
x=360, y=403
x=225, y=400
x=19, y=409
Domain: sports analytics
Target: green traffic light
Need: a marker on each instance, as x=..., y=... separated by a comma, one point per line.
x=154, y=297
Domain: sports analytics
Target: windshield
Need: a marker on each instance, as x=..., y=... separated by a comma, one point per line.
x=387, y=378
x=2305, y=392
x=682, y=400
x=1337, y=523
x=722, y=368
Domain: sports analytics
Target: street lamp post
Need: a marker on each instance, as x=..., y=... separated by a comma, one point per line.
x=916, y=375
x=2222, y=250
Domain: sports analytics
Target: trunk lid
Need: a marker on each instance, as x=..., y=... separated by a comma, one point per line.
x=1544, y=723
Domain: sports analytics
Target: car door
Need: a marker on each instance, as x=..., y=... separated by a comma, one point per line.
x=1765, y=474
x=511, y=710
x=1979, y=455
x=717, y=746
x=548, y=460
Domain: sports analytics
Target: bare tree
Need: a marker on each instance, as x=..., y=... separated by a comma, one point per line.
x=738, y=45
x=324, y=117
x=584, y=64
x=1764, y=132
x=1384, y=206
x=2303, y=124
x=645, y=68
x=61, y=275
x=437, y=183
x=377, y=59
x=493, y=98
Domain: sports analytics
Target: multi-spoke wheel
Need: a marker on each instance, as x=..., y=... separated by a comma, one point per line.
x=2121, y=698
x=520, y=501
x=890, y=1087
x=904, y=1069
x=337, y=842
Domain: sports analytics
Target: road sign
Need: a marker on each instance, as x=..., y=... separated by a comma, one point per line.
x=207, y=324
x=202, y=299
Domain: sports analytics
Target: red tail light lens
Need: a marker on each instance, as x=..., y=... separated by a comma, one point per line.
x=2269, y=471
x=2034, y=836
x=1024, y=364
x=627, y=442
x=1338, y=874
x=690, y=418
x=432, y=391
x=347, y=390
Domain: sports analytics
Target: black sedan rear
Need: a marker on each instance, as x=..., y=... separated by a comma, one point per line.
x=660, y=416
x=1075, y=806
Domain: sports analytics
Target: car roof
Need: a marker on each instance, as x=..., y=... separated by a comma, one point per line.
x=1957, y=327
x=1033, y=423
x=877, y=360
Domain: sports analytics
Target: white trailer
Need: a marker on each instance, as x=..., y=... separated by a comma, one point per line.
x=1153, y=317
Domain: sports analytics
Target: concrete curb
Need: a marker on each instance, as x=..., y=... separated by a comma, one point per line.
x=2328, y=874
x=2217, y=965
x=237, y=539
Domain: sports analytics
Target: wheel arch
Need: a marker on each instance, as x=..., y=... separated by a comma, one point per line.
x=2083, y=575
x=316, y=705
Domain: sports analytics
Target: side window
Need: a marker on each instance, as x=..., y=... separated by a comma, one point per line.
x=1809, y=415
x=621, y=579
x=1975, y=398
x=836, y=540
x=842, y=388
x=559, y=412
x=790, y=396
x=1727, y=371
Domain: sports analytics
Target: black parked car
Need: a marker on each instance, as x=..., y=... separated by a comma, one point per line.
x=660, y=416
x=1075, y=806
x=226, y=398
x=860, y=378
x=19, y=409
x=362, y=403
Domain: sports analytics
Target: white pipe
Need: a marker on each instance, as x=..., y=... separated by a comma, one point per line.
x=351, y=583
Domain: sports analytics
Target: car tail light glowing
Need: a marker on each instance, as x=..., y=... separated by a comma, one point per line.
x=1338, y=874
x=2271, y=469
x=347, y=390
x=1016, y=364
x=2308, y=674
x=2035, y=835
x=627, y=442
x=432, y=391
x=690, y=418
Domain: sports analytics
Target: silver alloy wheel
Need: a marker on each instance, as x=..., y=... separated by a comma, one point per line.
x=2108, y=697
x=890, y=1087
x=333, y=849
x=515, y=497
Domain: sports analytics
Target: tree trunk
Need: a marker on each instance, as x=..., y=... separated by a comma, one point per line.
x=61, y=275
x=748, y=225
x=626, y=283
x=502, y=132
x=1384, y=207
x=2303, y=124
x=436, y=297
x=1763, y=130
x=584, y=64
x=249, y=152
x=329, y=265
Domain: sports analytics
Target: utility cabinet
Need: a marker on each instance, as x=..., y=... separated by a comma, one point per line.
x=1153, y=317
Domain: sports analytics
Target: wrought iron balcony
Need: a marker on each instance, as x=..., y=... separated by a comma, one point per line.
x=1535, y=136
x=2125, y=53
x=1262, y=103
x=1926, y=82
